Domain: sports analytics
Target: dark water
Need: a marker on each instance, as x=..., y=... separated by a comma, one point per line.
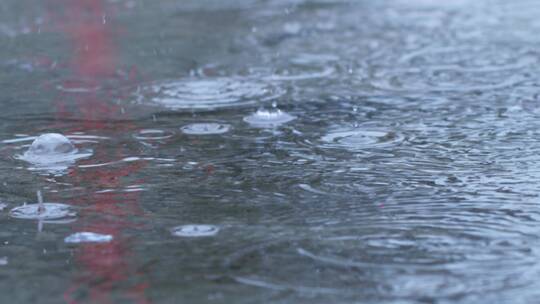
x=393, y=158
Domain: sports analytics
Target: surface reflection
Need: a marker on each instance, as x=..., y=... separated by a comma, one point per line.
x=82, y=99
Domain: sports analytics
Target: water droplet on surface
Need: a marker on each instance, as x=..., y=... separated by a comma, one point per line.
x=210, y=128
x=53, y=153
x=268, y=119
x=195, y=230
x=3, y=261
x=88, y=237
x=206, y=94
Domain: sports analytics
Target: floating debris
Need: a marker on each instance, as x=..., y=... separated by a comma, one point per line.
x=195, y=230
x=88, y=237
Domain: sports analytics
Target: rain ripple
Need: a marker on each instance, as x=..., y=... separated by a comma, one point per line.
x=206, y=93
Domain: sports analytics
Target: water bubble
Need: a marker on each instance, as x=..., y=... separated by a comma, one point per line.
x=268, y=119
x=206, y=93
x=195, y=230
x=88, y=237
x=205, y=128
x=52, y=153
x=51, y=143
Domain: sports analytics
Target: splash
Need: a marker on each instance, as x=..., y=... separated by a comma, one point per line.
x=42, y=211
x=268, y=119
x=195, y=230
x=210, y=128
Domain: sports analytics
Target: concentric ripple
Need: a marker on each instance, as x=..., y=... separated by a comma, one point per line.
x=421, y=256
x=358, y=138
x=153, y=135
x=206, y=93
x=307, y=66
x=454, y=70
x=205, y=128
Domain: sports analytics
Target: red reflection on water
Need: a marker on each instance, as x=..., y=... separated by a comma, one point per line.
x=107, y=272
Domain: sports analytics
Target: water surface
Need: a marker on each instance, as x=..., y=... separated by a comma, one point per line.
x=275, y=151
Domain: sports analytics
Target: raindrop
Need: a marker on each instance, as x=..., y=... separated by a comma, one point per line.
x=268, y=119
x=195, y=230
x=88, y=237
x=210, y=128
